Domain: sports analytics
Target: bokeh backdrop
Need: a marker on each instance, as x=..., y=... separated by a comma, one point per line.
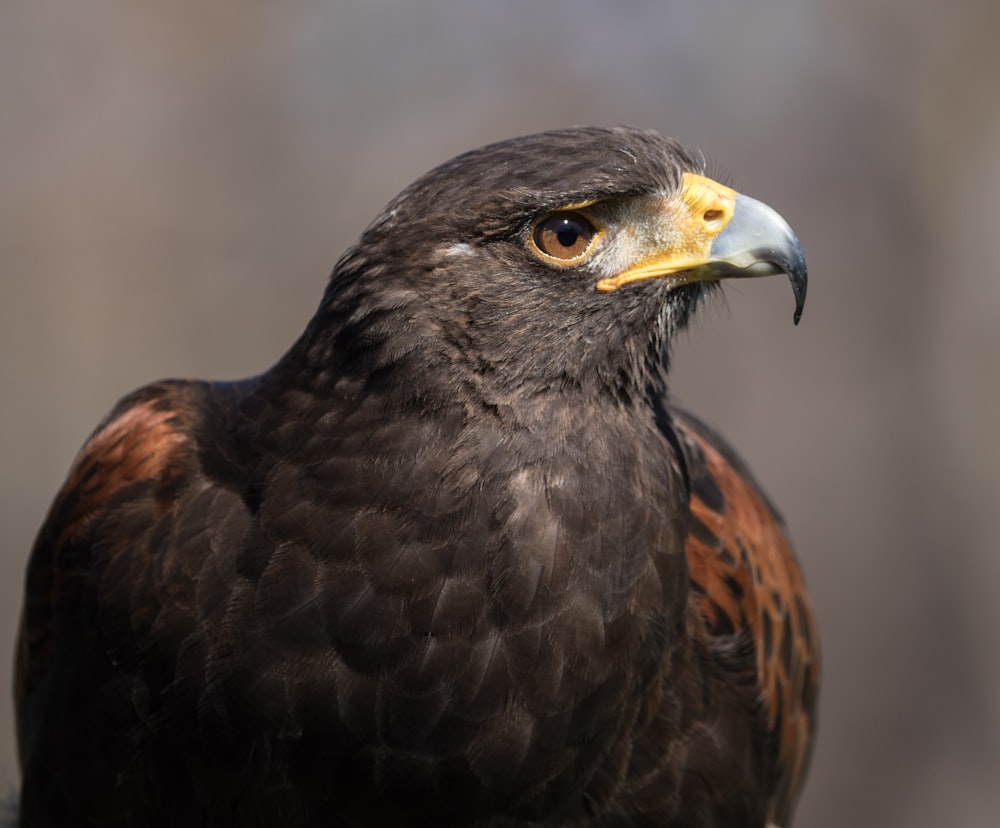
x=177, y=179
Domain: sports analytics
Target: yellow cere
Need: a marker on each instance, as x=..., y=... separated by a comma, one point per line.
x=698, y=213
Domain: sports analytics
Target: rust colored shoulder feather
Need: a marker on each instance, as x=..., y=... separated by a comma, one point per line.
x=747, y=583
x=139, y=444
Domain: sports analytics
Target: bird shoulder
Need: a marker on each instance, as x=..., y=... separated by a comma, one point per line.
x=747, y=584
x=142, y=441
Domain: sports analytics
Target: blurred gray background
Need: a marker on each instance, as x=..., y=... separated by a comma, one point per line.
x=177, y=179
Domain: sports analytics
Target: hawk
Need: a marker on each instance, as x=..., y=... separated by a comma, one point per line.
x=458, y=558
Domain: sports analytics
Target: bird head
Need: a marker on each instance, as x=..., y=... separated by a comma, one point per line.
x=554, y=260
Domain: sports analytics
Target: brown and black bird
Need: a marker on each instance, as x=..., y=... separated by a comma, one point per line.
x=457, y=559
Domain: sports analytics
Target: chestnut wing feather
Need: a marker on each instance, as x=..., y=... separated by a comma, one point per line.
x=747, y=583
x=124, y=482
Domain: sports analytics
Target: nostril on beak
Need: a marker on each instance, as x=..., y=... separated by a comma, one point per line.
x=713, y=219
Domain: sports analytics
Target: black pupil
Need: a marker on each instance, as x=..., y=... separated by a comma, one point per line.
x=568, y=233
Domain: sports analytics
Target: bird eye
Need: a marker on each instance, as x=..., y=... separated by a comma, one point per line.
x=564, y=236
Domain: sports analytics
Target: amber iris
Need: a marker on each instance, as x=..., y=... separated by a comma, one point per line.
x=565, y=236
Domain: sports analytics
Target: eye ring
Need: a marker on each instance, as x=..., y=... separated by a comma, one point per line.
x=564, y=237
